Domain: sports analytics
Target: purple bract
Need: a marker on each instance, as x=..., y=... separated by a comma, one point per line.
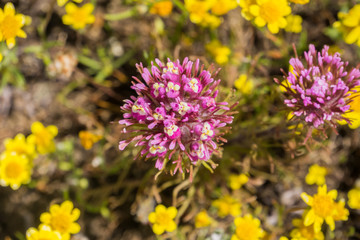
x=175, y=115
x=318, y=93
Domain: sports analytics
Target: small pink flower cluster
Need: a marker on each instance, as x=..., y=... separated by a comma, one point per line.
x=175, y=115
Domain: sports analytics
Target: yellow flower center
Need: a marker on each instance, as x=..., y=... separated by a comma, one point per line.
x=13, y=170
x=61, y=222
x=323, y=205
x=10, y=26
x=163, y=218
x=270, y=12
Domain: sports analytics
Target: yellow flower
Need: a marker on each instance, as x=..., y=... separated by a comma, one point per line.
x=316, y=175
x=62, y=2
x=349, y=25
x=244, y=85
x=300, y=1
x=220, y=52
x=78, y=17
x=161, y=8
x=222, y=7
x=354, y=198
x=322, y=208
x=271, y=13
x=354, y=112
x=21, y=146
x=43, y=233
x=43, y=137
x=342, y=213
x=199, y=13
x=247, y=228
x=162, y=219
x=10, y=25
x=236, y=181
x=293, y=23
x=227, y=206
x=202, y=219
x=62, y=219
x=14, y=170
x=87, y=139
x=302, y=232
x=245, y=8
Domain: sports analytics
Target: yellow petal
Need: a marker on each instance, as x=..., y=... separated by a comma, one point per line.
x=172, y=211
x=160, y=208
x=67, y=206
x=75, y=214
x=152, y=217
x=158, y=229
x=9, y=9
x=70, y=8
x=171, y=226
x=74, y=228
x=61, y=2
x=54, y=208
x=10, y=42
x=353, y=35
x=37, y=127
x=259, y=21
x=45, y=218
x=273, y=28
x=21, y=34
x=309, y=218
x=1, y=57
x=88, y=8
x=307, y=198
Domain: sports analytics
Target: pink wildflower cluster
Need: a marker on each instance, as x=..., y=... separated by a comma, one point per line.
x=318, y=93
x=175, y=115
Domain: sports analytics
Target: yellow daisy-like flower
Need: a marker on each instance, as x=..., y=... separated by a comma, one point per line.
x=354, y=112
x=162, y=8
x=316, y=175
x=300, y=1
x=78, y=17
x=227, y=206
x=222, y=7
x=14, y=170
x=220, y=52
x=302, y=232
x=293, y=23
x=162, y=219
x=62, y=2
x=199, y=13
x=202, y=219
x=43, y=137
x=21, y=146
x=349, y=25
x=354, y=198
x=244, y=85
x=270, y=12
x=322, y=208
x=10, y=25
x=87, y=139
x=62, y=219
x=43, y=233
x=237, y=181
x=247, y=228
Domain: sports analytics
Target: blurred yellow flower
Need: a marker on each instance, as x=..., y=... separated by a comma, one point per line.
x=300, y=1
x=162, y=219
x=62, y=2
x=227, y=206
x=316, y=175
x=354, y=198
x=21, y=146
x=293, y=23
x=245, y=8
x=10, y=25
x=199, y=13
x=202, y=219
x=43, y=137
x=237, y=181
x=14, y=170
x=341, y=213
x=87, y=139
x=247, y=228
x=349, y=25
x=354, y=112
x=62, y=219
x=322, y=208
x=302, y=232
x=244, y=85
x=220, y=52
x=222, y=7
x=270, y=12
x=43, y=233
x=1, y=57
x=78, y=17
x=161, y=8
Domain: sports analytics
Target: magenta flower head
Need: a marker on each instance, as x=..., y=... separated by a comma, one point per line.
x=318, y=93
x=175, y=116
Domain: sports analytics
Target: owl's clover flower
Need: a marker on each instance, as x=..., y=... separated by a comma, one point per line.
x=319, y=92
x=175, y=116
